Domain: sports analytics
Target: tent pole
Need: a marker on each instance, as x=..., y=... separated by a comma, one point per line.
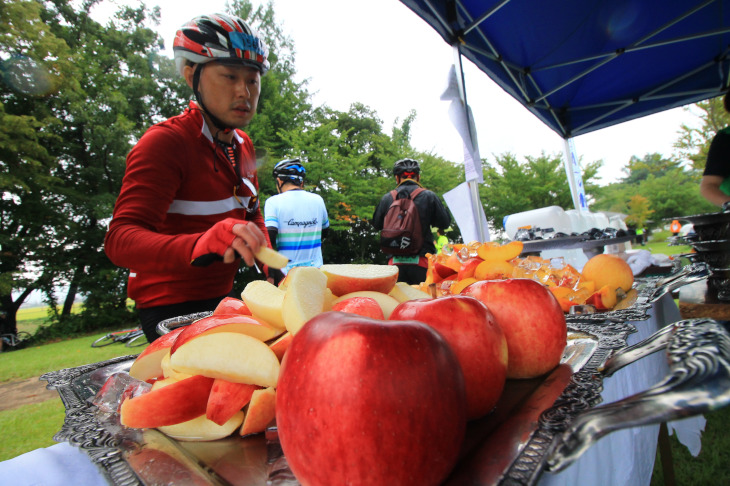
x=472, y=183
x=574, y=175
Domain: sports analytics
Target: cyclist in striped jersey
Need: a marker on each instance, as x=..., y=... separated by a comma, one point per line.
x=295, y=219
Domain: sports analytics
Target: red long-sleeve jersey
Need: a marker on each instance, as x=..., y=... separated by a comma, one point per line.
x=178, y=183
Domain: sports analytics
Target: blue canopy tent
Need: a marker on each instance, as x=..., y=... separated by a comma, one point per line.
x=583, y=65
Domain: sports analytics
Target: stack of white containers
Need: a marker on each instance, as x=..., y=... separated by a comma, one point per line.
x=571, y=221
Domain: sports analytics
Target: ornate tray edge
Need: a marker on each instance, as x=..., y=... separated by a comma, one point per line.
x=81, y=427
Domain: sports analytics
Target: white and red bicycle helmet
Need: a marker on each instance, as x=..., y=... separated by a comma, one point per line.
x=219, y=37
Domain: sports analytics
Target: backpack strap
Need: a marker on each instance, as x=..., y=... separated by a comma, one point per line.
x=412, y=195
x=416, y=192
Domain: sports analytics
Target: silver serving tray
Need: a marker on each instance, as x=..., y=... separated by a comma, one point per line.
x=538, y=425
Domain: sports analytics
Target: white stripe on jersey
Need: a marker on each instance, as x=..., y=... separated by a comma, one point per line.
x=206, y=208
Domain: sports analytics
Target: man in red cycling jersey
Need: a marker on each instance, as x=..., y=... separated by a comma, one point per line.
x=188, y=210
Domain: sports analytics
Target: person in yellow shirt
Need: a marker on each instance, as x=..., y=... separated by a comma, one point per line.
x=441, y=240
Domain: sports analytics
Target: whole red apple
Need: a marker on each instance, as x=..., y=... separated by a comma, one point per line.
x=476, y=339
x=362, y=401
x=532, y=320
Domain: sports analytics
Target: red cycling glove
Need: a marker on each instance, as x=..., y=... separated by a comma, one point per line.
x=213, y=243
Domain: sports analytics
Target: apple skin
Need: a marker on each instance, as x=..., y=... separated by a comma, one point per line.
x=178, y=402
x=148, y=365
x=532, y=320
x=249, y=325
x=362, y=401
x=476, y=339
x=363, y=306
x=231, y=305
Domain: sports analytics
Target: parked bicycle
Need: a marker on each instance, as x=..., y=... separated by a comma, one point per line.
x=14, y=340
x=131, y=337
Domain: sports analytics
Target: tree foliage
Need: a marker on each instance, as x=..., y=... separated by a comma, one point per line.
x=671, y=189
x=639, y=211
x=694, y=142
x=512, y=187
x=67, y=142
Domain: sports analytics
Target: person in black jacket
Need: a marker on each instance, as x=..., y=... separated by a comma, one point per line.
x=412, y=268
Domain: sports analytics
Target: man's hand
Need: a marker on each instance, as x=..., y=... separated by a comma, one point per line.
x=226, y=240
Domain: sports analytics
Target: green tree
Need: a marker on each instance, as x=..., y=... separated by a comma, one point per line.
x=694, y=142
x=37, y=66
x=639, y=211
x=654, y=164
x=512, y=187
x=109, y=84
x=671, y=189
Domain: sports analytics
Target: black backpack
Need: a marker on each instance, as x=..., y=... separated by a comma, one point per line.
x=402, y=233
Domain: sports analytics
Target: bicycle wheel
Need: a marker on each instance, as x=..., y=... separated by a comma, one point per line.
x=22, y=336
x=103, y=341
x=137, y=339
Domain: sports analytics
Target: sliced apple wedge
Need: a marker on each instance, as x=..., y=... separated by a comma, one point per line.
x=281, y=344
x=386, y=302
x=231, y=305
x=403, y=292
x=347, y=278
x=169, y=372
x=163, y=383
x=147, y=366
x=249, y=325
x=261, y=411
x=271, y=257
x=228, y=355
x=265, y=301
x=363, y=306
x=202, y=429
x=226, y=399
x=304, y=297
x=178, y=402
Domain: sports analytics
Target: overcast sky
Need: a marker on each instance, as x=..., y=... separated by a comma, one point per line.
x=382, y=54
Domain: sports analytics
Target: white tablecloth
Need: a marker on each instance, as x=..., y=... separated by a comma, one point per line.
x=625, y=457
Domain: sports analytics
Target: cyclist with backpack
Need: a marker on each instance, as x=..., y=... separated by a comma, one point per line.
x=404, y=217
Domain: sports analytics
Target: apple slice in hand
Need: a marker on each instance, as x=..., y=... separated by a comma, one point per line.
x=271, y=257
x=202, y=429
x=304, y=297
x=248, y=325
x=261, y=411
x=226, y=399
x=179, y=402
x=228, y=355
x=265, y=301
x=346, y=278
x=147, y=366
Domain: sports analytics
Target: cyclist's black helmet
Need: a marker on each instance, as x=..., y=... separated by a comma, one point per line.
x=290, y=170
x=406, y=165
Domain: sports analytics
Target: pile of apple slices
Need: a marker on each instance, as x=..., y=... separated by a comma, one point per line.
x=209, y=379
x=219, y=374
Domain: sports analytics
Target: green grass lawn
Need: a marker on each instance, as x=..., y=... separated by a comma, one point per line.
x=33, y=426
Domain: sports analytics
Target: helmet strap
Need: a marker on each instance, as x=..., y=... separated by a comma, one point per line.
x=217, y=122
